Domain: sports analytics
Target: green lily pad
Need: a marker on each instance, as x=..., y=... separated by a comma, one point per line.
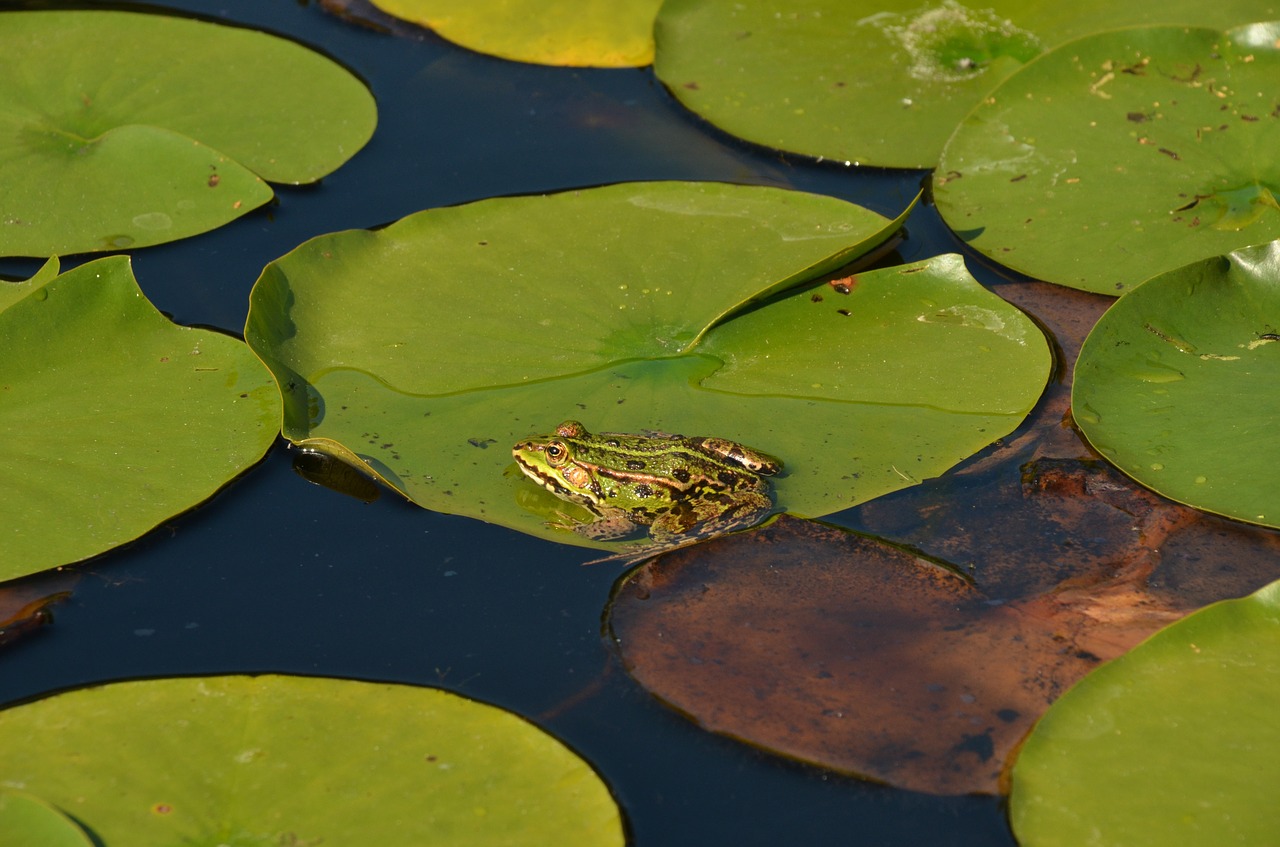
x=25, y=819
x=126, y=130
x=270, y=760
x=1172, y=743
x=873, y=82
x=579, y=33
x=1176, y=384
x=114, y=418
x=643, y=306
x=1121, y=155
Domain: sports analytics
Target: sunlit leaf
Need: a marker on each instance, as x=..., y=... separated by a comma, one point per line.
x=114, y=419
x=28, y=820
x=497, y=320
x=1122, y=155
x=593, y=33
x=275, y=760
x=880, y=83
x=1177, y=384
x=125, y=130
x=1173, y=743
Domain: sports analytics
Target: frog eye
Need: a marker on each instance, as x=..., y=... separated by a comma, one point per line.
x=556, y=452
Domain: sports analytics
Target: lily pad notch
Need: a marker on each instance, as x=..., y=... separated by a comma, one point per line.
x=122, y=129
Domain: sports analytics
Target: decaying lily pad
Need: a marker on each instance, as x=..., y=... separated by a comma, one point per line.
x=863, y=657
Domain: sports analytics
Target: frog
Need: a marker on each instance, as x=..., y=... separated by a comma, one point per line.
x=675, y=489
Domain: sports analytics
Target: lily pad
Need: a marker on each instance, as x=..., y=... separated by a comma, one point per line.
x=852, y=654
x=1121, y=155
x=645, y=306
x=873, y=82
x=114, y=418
x=122, y=130
x=1176, y=384
x=580, y=33
x=25, y=819
x=270, y=760
x=1173, y=743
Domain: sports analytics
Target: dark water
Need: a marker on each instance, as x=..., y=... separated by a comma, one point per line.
x=275, y=574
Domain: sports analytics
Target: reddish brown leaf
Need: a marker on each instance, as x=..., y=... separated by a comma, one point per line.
x=853, y=654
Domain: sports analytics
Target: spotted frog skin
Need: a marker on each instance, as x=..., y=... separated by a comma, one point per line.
x=681, y=488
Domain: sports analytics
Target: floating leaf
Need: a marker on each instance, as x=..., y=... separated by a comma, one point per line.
x=114, y=418
x=592, y=33
x=1176, y=384
x=1173, y=743
x=272, y=760
x=873, y=82
x=28, y=820
x=126, y=130
x=1121, y=155
x=616, y=306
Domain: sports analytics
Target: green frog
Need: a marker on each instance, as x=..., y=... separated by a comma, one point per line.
x=682, y=488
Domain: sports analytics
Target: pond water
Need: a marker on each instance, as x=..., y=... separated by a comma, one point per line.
x=275, y=574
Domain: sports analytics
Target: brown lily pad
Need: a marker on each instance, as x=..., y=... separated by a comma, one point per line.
x=852, y=653
x=840, y=650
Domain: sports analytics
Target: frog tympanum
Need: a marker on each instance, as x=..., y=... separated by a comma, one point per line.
x=681, y=488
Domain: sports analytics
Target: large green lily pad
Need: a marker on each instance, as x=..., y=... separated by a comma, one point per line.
x=126, y=130
x=1176, y=384
x=1121, y=155
x=114, y=418
x=422, y=352
x=1173, y=743
x=581, y=33
x=270, y=760
x=874, y=82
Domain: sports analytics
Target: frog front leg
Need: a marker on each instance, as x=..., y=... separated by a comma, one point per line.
x=610, y=524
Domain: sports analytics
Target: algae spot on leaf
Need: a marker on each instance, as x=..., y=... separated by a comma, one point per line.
x=120, y=129
x=114, y=418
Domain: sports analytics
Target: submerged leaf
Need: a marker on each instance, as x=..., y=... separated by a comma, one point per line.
x=126, y=130
x=1177, y=384
x=1121, y=155
x=633, y=308
x=272, y=760
x=845, y=652
x=114, y=418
